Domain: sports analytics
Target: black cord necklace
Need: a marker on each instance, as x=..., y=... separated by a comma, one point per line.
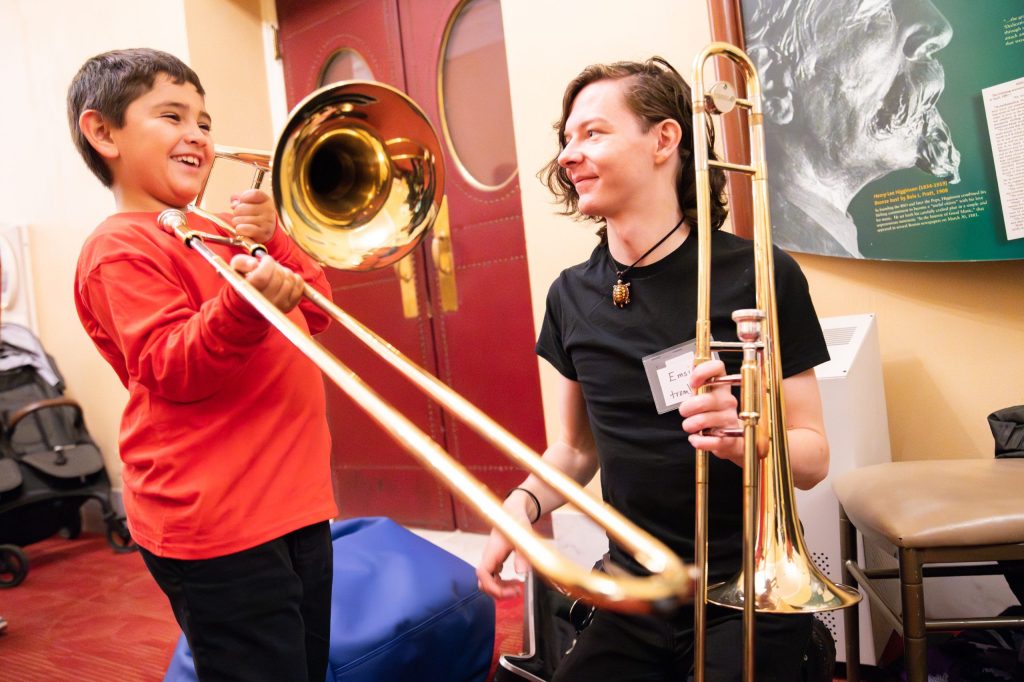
x=620, y=290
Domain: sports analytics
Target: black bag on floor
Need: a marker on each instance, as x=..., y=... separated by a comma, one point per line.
x=1007, y=427
x=553, y=621
x=548, y=635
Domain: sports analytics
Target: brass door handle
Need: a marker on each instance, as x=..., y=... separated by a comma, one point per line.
x=444, y=260
x=406, y=271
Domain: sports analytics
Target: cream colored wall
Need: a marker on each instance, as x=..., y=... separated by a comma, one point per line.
x=44, y=183
x=952, y=335
x=952, y=342
x=226, y=49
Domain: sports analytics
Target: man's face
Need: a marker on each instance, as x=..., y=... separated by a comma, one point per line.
x=866, y=88
x=608, y=156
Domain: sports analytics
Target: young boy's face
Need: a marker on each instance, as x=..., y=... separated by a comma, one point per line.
x=164, y=150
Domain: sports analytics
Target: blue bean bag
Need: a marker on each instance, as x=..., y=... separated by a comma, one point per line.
x=403, y=610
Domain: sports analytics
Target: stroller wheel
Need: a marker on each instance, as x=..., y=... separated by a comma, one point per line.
x=118, y=536
x=13, y=565
x=73, y=527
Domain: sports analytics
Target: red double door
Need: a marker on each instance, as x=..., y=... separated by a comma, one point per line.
x=484, y=349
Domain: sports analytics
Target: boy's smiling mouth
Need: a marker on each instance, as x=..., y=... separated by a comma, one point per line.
x=188, y=160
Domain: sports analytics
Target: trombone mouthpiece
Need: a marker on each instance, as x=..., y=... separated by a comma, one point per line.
x=171, y=219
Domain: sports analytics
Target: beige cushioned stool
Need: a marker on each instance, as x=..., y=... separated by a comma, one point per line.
x=964, y=511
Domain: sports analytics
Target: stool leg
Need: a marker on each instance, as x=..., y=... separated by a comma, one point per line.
x=915, y=642
x=851, y=616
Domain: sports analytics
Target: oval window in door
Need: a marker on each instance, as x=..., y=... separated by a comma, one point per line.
x=476, y=109
x=345, y=65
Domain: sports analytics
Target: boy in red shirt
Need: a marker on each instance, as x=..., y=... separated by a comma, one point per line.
x=224, y=438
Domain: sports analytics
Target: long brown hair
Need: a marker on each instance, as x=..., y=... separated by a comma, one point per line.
x=655, y=92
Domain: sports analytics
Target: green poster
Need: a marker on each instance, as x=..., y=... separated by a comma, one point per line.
x=891, y=126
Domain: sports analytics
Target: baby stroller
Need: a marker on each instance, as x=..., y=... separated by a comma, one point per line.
x=49, y=465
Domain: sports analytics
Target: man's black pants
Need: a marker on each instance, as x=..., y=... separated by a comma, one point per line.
x=625, y=648
x=260, y=614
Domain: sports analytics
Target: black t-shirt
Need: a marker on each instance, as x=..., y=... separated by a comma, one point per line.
x=647, y=463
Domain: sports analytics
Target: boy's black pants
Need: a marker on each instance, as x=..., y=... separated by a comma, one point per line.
x=260, y=614
x=619, y=648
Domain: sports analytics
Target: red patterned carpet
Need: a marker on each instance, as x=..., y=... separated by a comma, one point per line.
x=87, y=614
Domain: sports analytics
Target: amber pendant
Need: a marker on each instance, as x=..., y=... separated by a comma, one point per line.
x=620, y=293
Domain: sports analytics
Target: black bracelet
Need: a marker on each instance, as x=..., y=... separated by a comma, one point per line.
x=532, y=497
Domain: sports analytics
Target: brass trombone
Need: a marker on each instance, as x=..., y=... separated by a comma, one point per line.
x=358, y=179
x=777, y=574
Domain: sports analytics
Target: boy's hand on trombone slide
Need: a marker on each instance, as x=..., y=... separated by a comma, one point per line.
x=253, y=215
x=278, y=284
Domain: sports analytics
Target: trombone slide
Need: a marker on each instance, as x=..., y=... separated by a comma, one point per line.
x=671, y=581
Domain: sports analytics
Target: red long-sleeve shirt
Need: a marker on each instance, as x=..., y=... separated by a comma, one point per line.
x=224, y=438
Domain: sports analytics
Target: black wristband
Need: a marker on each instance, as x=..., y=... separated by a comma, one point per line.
x=532, y=497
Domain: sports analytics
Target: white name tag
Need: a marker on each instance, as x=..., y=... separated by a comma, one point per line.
x=668, y=373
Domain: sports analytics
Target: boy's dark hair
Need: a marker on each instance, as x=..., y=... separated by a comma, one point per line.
x=655, y=92
x=111, y=81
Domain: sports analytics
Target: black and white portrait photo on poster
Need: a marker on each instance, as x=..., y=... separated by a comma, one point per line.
x=850, y=93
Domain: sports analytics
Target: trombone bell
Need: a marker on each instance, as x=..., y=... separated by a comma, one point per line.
x=357, y=175
x=786, y=580
x=347, y=179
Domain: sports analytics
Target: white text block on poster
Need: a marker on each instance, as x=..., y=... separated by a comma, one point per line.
x=1004, y=109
